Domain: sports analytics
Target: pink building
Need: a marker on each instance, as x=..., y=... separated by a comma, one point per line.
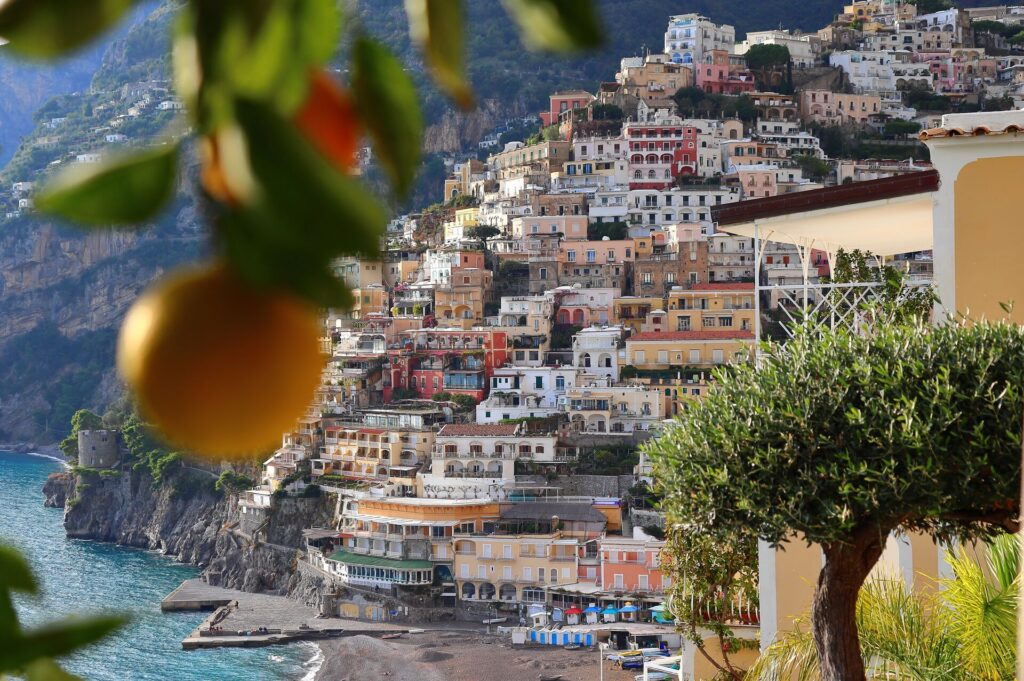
x=632, y=565
x=720, y=75
x=563, y=102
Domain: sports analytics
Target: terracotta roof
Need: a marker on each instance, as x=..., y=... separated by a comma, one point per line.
x=725, y=286
x=933, y=133
x=478, y=429
x=908, y=184
x=692, y=335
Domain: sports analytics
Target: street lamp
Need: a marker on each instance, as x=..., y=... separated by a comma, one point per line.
x=601, y=647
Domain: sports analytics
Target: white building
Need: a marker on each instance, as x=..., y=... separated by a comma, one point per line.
x=691, y=36
x=528, y=392
x=791, y=139
x=658, y=208
x=598, y=350
x=803, y=48
x=609, y=205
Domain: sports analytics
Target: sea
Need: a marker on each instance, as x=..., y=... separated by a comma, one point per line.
x=82, y=577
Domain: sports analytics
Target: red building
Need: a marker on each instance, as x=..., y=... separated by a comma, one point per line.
x=457, y=361
x=720, y=75
x=661, y=149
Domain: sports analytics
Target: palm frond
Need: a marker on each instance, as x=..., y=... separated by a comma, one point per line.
x=792, y=658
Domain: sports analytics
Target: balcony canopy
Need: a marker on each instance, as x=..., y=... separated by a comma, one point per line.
x=886, y=217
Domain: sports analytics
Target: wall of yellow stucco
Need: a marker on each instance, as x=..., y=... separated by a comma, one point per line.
x=989, y=238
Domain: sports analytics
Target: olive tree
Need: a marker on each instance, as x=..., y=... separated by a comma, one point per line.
x=840, y=439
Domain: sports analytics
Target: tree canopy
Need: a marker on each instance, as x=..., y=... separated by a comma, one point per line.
x=767, y=56
x=841, y=438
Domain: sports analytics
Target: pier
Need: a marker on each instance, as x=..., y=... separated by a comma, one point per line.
x=249, y=620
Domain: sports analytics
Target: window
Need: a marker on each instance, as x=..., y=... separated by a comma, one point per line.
x=559, y=382
x=639, y=357
x=694, y=356
x=662, y=356
x=642, y=582
x=464, y=571
x=481, y=571
x=486, y=550
x=506, y=551
x=646, y=277
x=618, y=581
x=540, y=575
x=538, y=382
x=543, y=273
x=527, y=574
x=717, y=356
x=591, y=256
x=570, y=256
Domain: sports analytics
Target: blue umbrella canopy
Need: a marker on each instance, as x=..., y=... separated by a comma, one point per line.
x=593, y=608
x=610, y=610
x=628, y=608
x=659, y=608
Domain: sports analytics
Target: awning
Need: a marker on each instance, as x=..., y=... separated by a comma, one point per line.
x=886, y=217
x=408, y=522
x=347, y=558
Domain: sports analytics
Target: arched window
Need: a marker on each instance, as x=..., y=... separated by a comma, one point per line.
x=637, y=175
x=650, y=174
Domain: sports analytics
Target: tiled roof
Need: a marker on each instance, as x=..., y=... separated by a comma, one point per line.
x=725, y=286
x=692, y=335
x=478, y=429
x=977, y=124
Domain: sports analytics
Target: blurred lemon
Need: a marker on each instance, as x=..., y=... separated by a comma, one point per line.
x=220, y=368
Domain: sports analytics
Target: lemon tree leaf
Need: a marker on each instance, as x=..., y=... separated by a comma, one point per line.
x=54, y=640
x=318, y=25
x=439, y=28
x=50, y=28
x=122, y=190
x=15, y=574
x=557, y=25
x=306, y=213
x=46, y=669
x=386, y=100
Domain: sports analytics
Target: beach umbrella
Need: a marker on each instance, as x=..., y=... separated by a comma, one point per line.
x=628, y=607
x=610, y=610
x=575, y=611
x=593, y=608
x=659, y=608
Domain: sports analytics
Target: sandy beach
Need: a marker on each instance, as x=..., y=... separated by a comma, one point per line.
x=456, y=656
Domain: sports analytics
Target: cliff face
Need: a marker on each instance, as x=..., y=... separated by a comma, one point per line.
x=184, y=518
x=57, y=489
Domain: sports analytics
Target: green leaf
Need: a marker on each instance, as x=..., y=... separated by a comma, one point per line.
x=54, y=640
x=49, y=28
x=15, y=574
x=438, y=28
x=306, y=213
x=121, y=190
x=318, y=24
x=47, y=670
x=557, y=25
x=388, y=106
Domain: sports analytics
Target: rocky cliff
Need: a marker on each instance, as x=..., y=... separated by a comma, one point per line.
x=57, y=489
x=185, y=518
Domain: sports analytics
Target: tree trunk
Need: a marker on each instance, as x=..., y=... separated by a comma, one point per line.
x=833, y=617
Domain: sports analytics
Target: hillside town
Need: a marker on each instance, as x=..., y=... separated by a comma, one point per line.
x=510, y=347
x=485, y=400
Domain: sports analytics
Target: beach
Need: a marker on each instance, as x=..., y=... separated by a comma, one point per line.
x=437, y=655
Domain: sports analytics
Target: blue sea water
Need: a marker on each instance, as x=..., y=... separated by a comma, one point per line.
x=84, y=577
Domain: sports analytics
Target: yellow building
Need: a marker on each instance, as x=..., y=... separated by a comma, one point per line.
x=461, y=300
x=659, y=351
x=532, y=546
x=363, y=453
x=456, y=229
x=721, y=306
x=631, y=311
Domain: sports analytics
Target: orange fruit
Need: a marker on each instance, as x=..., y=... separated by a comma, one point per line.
x=212, y=176
x=329, y=121
x=222, y=369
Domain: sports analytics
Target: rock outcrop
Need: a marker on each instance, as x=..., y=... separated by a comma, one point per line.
x=186, y=518
x=58, y=488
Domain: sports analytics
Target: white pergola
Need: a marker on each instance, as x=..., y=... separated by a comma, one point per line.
x=871, y=218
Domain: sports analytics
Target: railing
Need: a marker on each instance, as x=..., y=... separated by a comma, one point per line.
x=835, y=305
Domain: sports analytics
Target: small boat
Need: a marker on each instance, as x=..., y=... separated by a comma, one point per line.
x=542, y=677
x=391, y=636
x=572, y=646
x=495, y=620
